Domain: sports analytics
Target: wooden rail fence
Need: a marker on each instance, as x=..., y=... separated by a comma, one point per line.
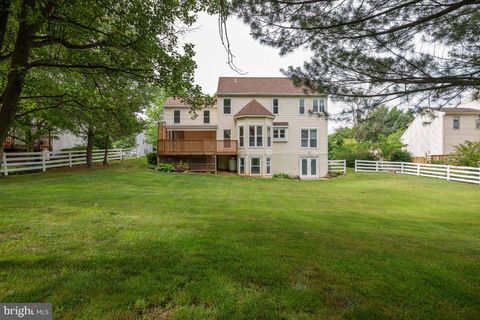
x=337, y=166
x=438, y=171
x=43, y=160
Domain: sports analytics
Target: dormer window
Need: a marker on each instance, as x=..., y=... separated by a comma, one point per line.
x=227, y=106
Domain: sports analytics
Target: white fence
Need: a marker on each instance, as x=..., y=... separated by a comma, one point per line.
x=439, y=171
x=43, y=160
x=337, y=166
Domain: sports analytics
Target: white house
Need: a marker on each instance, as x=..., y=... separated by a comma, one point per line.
x=259, y=126
x=438, y=132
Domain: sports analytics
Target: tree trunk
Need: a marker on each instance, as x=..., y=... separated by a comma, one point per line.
x=17, y=70
x=4, y=13
x=90, y=142
x=105, y=153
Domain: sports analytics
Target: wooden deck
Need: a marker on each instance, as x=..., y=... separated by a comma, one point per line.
x=197, y=147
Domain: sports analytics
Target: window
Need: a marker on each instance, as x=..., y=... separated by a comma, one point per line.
x=456, y=122
x=301, y=106
x=176, y=116
x=269, y=166
x=206, y=116
x=227, y=134
x=315, y=105
x=280, y=134
x=241, y=136
x=309, y=138
x=227, y=106
x=241, y=165
x=308, y=167
x=255, y=166
x=255, y=138
x=269, y=136
x=477, y=123
x=275, y=106
x=322, y=105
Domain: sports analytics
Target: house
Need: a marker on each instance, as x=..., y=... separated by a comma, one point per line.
x=438, y=132
x=259, y=126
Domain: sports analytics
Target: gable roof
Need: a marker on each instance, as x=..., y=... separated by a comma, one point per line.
x=254, y=108
x=258, y=86
x=460, y=110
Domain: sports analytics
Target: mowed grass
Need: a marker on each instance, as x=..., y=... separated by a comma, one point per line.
x=129, y=243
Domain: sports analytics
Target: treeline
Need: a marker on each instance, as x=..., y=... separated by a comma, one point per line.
x=374, y=135
x=92, y=67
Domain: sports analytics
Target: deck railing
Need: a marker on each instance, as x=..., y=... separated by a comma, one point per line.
x=197, y=147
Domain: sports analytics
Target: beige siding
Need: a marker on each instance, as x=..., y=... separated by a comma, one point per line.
x=467, y=131
x=285, y=155
x=187, y=118
x=425, y=135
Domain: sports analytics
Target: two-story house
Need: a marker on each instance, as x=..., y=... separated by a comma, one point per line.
x=260, y=126
x=438, y=132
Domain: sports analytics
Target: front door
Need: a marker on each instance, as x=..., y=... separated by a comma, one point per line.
x=308, y=167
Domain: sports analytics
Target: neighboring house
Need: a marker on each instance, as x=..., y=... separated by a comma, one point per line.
x=142, y=146
x=67, y=140
x=260, y=126
x=438, y=132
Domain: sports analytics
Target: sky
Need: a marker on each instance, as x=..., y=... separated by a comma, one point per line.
x=250, y=56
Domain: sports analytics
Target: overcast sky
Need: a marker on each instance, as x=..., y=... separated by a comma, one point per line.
x=250, y=56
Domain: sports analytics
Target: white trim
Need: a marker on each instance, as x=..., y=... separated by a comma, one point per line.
x=309, y=163
x=179, y=116
x=255, y=146
x=223, y=106
x=239, y=165
x=240, y=137
x=280, y=139
x=314, y=128
x=304, y=107
x=273, y=106
x=259, y=157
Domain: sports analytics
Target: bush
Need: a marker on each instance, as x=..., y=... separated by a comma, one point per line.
x=152, y=158
x=282, y=176
x=401, y=156
x=352, y=150
x=166, y=167
x=181, y=167
x=467, y=154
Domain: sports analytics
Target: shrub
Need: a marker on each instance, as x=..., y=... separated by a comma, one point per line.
x=467, y=154
x=352, y=150
x=401, y=156
x=166, y=167
x=152, y=158
x=282, y=176
x=181, y=167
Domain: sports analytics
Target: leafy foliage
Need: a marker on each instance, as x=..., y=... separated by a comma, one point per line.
x=374, y=48
x=467, y=154
x=400, y=156
x=166, y=167
x=374, y=135
x=152, y=158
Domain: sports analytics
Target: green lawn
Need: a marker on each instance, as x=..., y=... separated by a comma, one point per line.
x=129, y=243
